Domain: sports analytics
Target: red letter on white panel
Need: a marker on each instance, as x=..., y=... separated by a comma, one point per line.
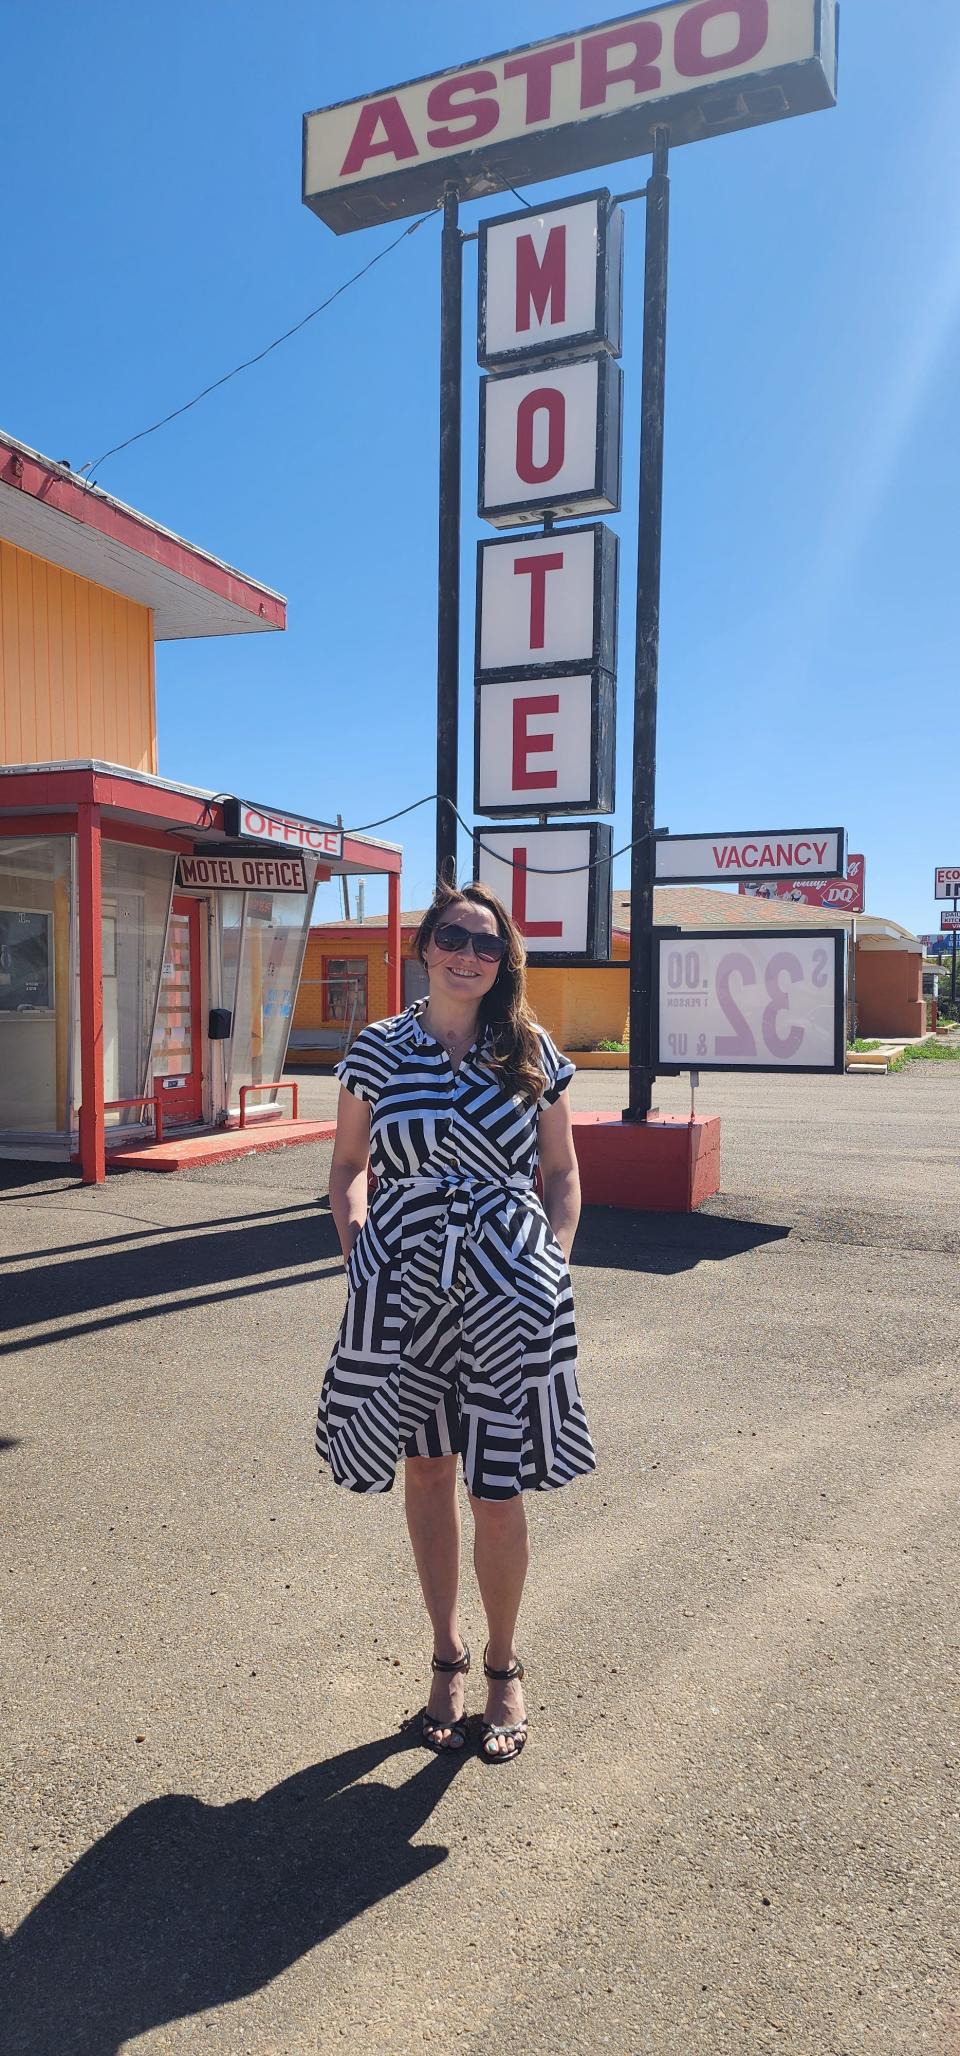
x=536, y=568
x=396, y=142
x=519, y=903
x=754, y=27
x=644, y=41
x=542, y=281
x=550, y=402
x=537, y=69
x=526, y=745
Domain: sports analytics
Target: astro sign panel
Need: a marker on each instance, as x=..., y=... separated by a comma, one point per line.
x=592, y=96
x=751, y=1002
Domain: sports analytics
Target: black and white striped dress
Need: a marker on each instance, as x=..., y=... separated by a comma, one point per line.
x=459, y=1332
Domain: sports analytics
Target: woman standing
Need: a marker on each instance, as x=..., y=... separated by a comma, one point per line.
x=458, y=1339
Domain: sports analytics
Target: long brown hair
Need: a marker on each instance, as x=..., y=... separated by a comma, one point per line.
x=504, y=1013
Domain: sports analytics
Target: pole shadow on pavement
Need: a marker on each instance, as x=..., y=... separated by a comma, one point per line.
x=609, y=1238
x=183, y=1906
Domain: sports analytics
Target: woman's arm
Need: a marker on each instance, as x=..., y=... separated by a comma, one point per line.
x=348, y=1171
x=558, y=1169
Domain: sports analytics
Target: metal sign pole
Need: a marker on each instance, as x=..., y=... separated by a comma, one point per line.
x=953, y=966
x=642, y=1053
x=448, y=556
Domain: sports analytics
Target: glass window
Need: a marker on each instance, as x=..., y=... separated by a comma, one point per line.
x=345, y=989
x=35, y=985
x=137, y=888
x=273, y=939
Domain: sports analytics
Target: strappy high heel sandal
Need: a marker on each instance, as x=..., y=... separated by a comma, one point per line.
x=515, y=1733
x=459, y=1727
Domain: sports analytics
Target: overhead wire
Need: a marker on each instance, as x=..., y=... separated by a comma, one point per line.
x=538, y=870
x=257, y=358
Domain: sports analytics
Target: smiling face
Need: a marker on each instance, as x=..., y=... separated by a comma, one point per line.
x=462, y=975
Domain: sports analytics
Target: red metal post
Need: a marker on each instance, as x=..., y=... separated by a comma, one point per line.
x=93, y=1166
x=394, y=969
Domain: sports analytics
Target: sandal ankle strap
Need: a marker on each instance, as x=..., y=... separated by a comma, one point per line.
x=440, y=1663
x=503, y=1677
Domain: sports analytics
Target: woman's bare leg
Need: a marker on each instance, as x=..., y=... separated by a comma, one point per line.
x=433, y=1519
x=501, y=1553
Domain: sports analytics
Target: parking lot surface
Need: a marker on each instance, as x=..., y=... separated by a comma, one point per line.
x=735, y=1826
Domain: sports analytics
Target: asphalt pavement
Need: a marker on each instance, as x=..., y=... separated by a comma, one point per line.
x=735, y=1825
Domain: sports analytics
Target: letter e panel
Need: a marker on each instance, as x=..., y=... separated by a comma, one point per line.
x=770, y=1000
x=545, y=746
x=551, y=281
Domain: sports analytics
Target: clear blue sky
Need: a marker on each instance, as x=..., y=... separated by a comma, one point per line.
x=154, y=235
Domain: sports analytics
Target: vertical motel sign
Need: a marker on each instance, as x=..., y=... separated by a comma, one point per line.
x=549, y=333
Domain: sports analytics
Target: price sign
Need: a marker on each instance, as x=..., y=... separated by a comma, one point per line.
x=751, y=1002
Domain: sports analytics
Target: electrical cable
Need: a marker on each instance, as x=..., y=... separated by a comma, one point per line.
x=410, y=230
x=536, y=870
x=519, y=196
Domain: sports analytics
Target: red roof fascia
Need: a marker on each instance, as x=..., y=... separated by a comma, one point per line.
x=359, y=852
x=120, y=524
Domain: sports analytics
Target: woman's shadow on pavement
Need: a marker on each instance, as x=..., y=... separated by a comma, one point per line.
x=184, y=1906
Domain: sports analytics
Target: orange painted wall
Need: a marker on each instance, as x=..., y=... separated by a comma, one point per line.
x=76, y=668
x=889, y=993
x=579, y=1006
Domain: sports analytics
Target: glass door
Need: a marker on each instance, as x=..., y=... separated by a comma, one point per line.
x=178, y=1040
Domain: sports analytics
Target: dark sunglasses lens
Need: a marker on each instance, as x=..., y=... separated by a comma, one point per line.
x=492, y=948
x=450, y=937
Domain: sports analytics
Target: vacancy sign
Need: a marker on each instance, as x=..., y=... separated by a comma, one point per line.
x=949, y=923
x=751, y=1002
x=761, y=853
x=947, y=882
x=556, y=882
x=589, y=97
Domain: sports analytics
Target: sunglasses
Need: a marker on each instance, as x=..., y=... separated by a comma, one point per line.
x=450, y=937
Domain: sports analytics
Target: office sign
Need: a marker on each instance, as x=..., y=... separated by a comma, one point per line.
x=751, y=1002
x=551, y=281
x=556, y=882
x=216, y=873
x=550, y=442
x=244, y=821
x=947, y=882
x=547, y=603
x=545, y=746
x=758, y=853
x=574, y=101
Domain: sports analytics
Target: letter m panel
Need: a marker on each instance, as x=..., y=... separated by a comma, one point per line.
x=551, y=281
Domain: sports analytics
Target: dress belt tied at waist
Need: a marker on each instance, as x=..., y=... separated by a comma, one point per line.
x=468, y=1197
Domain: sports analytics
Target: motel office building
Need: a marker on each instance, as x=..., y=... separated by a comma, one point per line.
x=151, y=945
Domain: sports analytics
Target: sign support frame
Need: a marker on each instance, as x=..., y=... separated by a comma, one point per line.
x=448, y=548
x=647, y=656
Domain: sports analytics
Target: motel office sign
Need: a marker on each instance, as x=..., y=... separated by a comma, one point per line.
x=594, y=96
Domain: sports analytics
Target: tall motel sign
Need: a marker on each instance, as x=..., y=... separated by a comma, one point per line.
x=549, y=344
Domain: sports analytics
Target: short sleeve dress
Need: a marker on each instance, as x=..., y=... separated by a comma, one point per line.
x=459, y=1333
